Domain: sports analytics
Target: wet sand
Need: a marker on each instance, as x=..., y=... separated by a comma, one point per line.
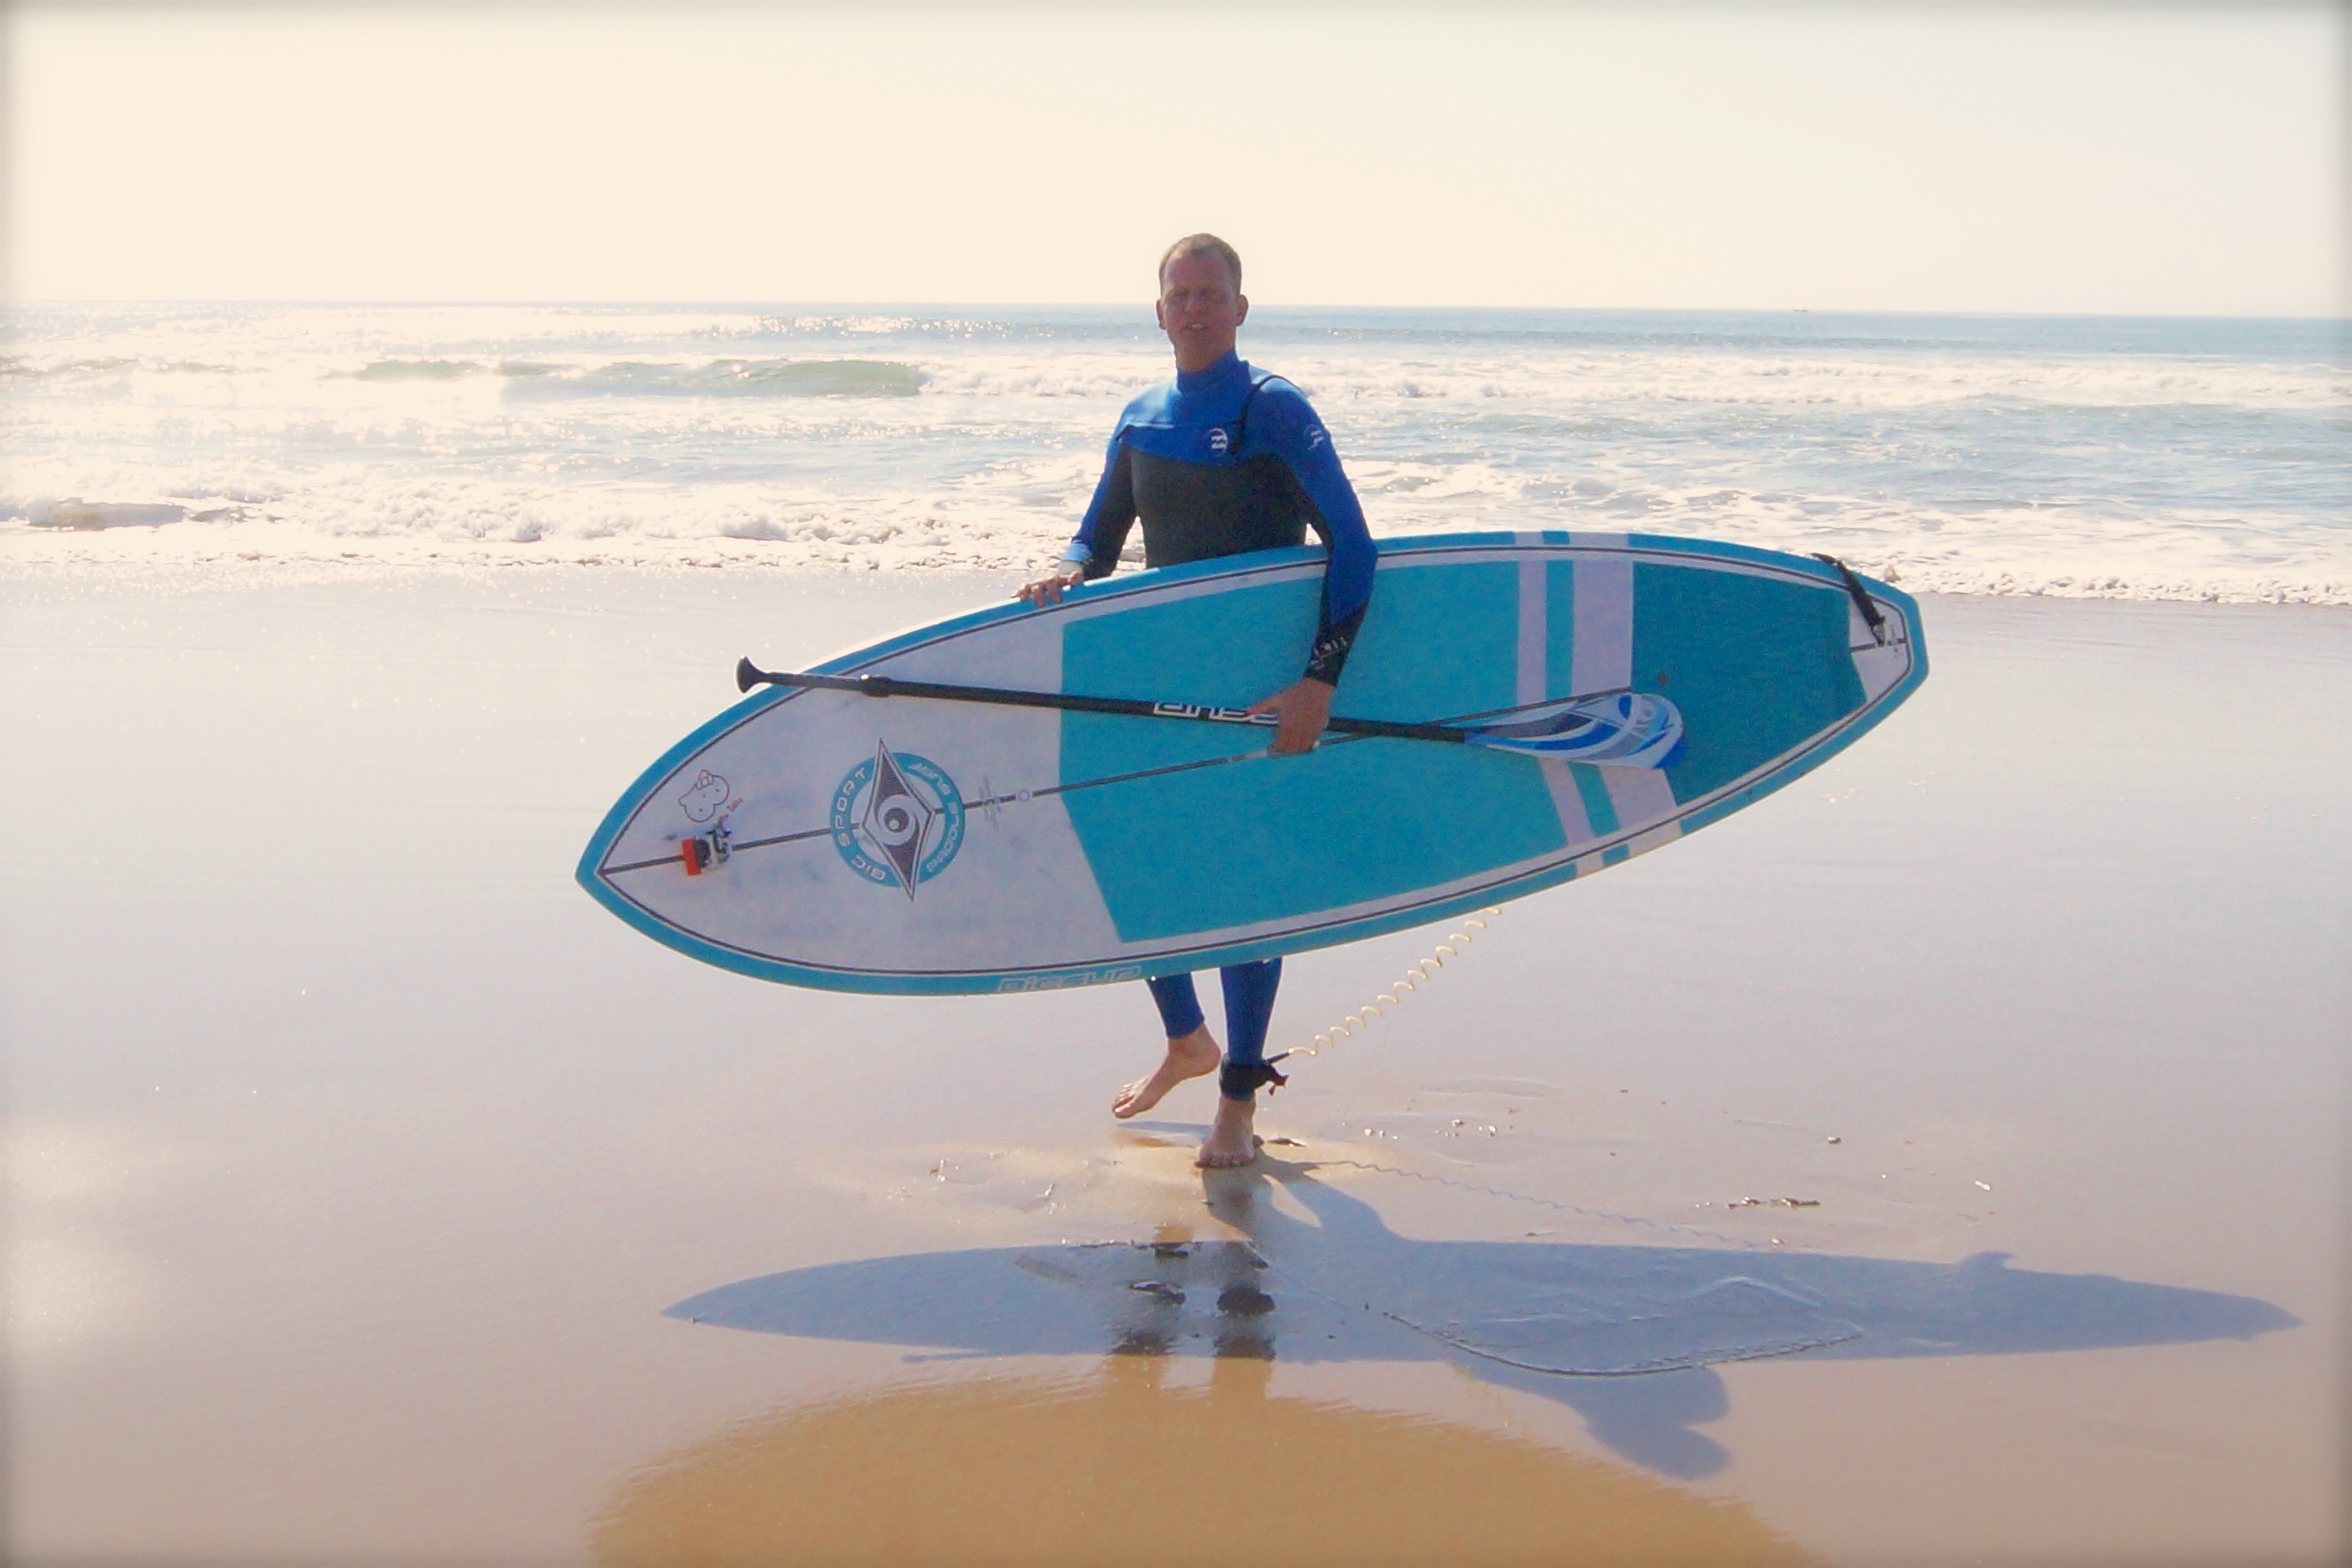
x=357, y=1160
x=1062, y=1470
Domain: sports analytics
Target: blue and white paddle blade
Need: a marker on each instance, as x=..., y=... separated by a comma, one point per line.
x=1624, y=730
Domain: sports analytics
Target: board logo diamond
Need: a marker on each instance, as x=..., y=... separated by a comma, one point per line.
x=897, y=820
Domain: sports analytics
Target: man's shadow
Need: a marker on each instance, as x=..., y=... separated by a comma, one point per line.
x=1626, y=1336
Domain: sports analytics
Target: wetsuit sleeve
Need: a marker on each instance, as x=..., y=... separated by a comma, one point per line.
x=1109, y=516
x=1299, y=439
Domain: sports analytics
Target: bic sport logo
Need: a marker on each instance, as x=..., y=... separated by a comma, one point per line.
x=897, y=820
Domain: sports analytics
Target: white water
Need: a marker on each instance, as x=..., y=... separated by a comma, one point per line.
x=2081, y=456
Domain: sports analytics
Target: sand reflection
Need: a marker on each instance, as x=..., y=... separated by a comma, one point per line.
x=1117, y=1466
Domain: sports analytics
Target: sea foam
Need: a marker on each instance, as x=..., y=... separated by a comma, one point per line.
x=2189, y=460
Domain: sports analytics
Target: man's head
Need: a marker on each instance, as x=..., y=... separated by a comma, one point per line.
x=1200, y=303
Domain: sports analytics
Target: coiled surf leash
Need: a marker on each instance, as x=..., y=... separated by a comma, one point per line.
x=1412, y=980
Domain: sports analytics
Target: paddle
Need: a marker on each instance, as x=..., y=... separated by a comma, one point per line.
x=1624, y=728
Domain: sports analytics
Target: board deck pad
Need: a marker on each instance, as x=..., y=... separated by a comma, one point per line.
x=911, y=844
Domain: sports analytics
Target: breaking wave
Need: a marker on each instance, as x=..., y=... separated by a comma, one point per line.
x=410, y=370
x=722, y=378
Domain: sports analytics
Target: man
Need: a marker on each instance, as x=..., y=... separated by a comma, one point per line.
x=1220, y=461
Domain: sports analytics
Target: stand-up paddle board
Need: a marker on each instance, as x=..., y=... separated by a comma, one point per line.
x=1021, y=799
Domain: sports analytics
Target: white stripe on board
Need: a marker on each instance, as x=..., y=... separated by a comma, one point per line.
x=1535, y=637
x=1604, y=662
x=1642, y=794
x=1534, y=611
x=1574, y=825
x=1604, y=624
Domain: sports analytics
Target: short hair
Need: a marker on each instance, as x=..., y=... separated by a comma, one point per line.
x=1199, y=243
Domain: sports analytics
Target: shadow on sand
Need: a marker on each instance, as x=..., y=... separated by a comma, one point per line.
x=1626, y=1336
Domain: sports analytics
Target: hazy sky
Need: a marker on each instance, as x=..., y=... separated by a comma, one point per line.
x=2098, y=159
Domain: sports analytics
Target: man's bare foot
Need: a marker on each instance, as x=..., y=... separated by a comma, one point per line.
x=1195, y=1054
x=1233, y=1139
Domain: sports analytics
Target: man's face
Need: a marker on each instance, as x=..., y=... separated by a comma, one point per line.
x=1199, y=310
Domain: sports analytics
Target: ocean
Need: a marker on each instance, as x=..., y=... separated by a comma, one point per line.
x=2153, y=458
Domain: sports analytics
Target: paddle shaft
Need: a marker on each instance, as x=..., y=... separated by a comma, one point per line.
x=748, y=675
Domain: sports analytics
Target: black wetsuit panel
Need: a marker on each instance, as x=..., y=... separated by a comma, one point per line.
x=1195, y=512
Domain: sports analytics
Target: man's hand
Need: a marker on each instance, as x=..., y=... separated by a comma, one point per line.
x=1048, y=590
x=1305, y=709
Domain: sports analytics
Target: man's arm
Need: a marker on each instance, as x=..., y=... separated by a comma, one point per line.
x=1304, y=446
x=1101, y=536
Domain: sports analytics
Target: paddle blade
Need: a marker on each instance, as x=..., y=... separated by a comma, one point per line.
x=1624, y=730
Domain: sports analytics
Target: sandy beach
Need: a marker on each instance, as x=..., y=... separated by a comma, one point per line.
x=1985, y=1092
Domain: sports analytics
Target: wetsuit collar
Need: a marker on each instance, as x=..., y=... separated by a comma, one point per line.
x=1226, y=372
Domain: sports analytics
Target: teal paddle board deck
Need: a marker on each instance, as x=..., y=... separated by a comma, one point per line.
x=833, y=839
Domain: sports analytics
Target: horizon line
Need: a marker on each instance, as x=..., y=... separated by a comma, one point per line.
x=2342, y=317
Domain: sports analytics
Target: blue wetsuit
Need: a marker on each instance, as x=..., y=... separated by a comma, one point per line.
x=1216, y=463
